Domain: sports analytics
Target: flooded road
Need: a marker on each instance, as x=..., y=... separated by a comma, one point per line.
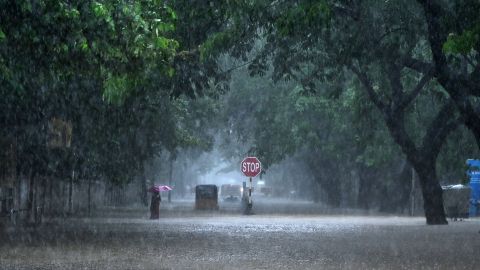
x=228, y=240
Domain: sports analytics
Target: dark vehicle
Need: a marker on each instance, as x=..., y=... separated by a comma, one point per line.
x=231, y=193
x=206, y=197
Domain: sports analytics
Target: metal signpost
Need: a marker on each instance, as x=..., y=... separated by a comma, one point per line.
x=250, y=167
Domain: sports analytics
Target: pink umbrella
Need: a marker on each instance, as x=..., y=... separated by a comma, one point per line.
x=159, y=188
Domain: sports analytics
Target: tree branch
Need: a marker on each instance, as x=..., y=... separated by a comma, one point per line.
x=387, y=33
x=395, y=79
x=471, y=84
x=396, y=125
x=374, y=97
x=470, y=61
x=236, y=67
x=407, y=99
x=185, y=55
x=351, y=12
x=444, y=123
x=437, y=35
x=475, y=79
x=418, y=65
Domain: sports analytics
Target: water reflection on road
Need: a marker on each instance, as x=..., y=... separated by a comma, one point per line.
x=312, y=239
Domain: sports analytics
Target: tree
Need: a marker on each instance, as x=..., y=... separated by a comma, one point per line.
x=331, y=137
x=453, y=35
x=103, y=67
x=365, y=40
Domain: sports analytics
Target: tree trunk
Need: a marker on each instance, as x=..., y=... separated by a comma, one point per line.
x=334, y=193
x=89, y=195
x=44, y=199
x=404, y=185
x=36, y=206
x=432, y=194
x=18, y=193
x=365, y=187
x=423, y=158
x=35, y=202
x=170, y=179
x=316, y=191
x=397, y=194
x=470, y=117
x=458, y=86
x=50, y=196
x=70, y=194
x=143, y=188
x=31, y=196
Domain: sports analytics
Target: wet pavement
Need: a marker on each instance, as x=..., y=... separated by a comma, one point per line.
x=280, y=239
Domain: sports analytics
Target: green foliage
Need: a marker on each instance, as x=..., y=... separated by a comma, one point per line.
x=132, y=39
x=2, y=35
x=219, y=40
x=125, y=72
x=106, y=66
x=460, y=26
x=354, y=101
x=287, y=120
x=192, y=122
x=116, y=89
x=464, y=43
x=306, y=15
x=100, y=11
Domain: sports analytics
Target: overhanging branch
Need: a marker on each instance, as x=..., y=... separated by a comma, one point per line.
x=445, y=122
x=418, y=65
x=374, y=97
x=407, y=99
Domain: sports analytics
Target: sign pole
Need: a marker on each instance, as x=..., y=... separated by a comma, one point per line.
x=250, y=192
x=250, y=167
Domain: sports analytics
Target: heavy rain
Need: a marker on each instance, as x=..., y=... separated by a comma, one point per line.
x=285, y=134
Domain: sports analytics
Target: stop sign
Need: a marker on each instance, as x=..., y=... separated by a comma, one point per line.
x=251, y=166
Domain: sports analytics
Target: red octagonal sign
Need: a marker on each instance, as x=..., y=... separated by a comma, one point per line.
x=251, y=166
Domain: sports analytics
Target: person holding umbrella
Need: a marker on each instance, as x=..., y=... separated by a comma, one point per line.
x=156, y=199
x=155, y=205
